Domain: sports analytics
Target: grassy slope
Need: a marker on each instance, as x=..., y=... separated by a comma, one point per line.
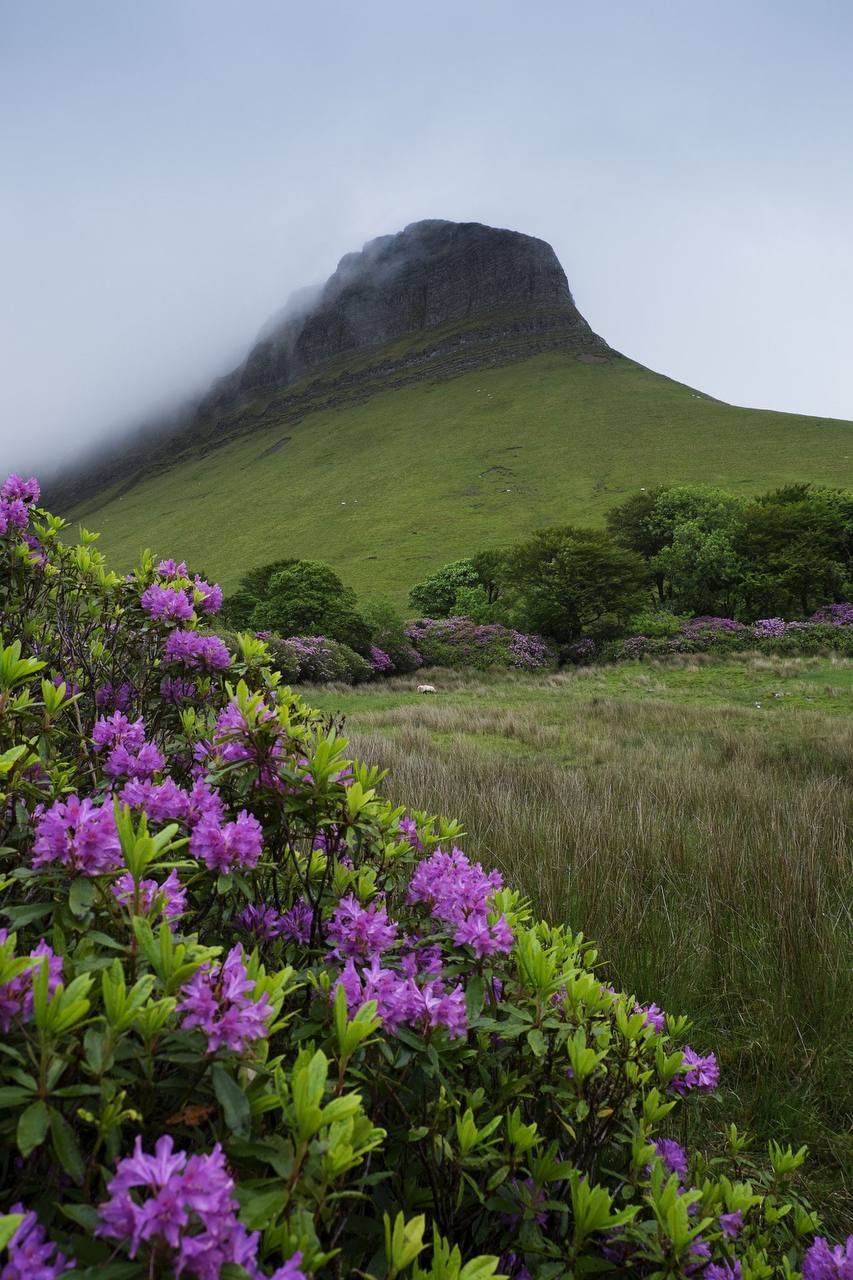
x=701, y=839
x=390, y=488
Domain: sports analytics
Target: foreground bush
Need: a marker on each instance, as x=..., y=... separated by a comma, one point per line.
x=257, y=1022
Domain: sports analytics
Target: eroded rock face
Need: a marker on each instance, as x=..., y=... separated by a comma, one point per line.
x=430, y=275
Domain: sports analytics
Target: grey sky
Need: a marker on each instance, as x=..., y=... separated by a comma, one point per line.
x=172, y=169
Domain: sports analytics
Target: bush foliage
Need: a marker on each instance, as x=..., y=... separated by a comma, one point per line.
x=258, y=1022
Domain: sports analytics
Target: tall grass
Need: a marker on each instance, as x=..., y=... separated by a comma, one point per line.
x=709, y=856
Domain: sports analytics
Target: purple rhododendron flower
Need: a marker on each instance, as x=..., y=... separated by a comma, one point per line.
x=16, y=996
x=291, y=1269
x=823, y=1261
x=211, y=595
x=731, y=1223
x=168, y=604
x=117, y=731
x=703, y=1073
x=654, y=1017
x=160, y=801
x=125, y=763
x=31, y=1256
x=183, y=1207
x=221, y=848
x=459, y=893
x=218, y=1000
x=511, y=1265
x=409, y=834
x=673, y=1155
x=296, y=923
x=79, y=834
x=119, y=697
x=723, y=1271
x=171, y=894
x=264, y=923
x=16, y=489
x=176, y=689
x=486, y=939
x=194, y=650
x=360, y=932
x=169, y=570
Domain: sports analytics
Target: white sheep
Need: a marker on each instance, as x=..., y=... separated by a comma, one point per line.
x=426, y=688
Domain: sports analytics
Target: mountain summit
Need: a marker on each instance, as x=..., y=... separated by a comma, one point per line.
x=492, y=284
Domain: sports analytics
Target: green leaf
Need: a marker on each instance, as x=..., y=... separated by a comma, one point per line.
x=32, y=1127
x=234, y=1103
x=536, y=1040
x=81, y=895
x=66, y=1146
x=9, y=1224
x=474, y=997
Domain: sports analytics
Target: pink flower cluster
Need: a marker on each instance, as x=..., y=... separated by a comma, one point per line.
x=458, y=894
x=218, y=999
x=183, y=1207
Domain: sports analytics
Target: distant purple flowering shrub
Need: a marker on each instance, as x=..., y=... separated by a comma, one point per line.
x=459, y=642
x=399, y=1032
x=769, y=627
x=380, y=660
x=835, y=615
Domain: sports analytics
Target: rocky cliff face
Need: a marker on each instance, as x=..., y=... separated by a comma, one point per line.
x=432, y=301
x=430, y=275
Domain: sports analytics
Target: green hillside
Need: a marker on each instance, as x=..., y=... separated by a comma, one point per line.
x=389, y=488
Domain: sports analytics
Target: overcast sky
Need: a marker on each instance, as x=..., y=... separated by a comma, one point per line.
x=172, y=169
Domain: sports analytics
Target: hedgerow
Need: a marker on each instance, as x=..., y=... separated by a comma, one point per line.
x=259, y=1022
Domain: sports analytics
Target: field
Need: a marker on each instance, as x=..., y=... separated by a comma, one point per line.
x=694, y=818
x=388, y=489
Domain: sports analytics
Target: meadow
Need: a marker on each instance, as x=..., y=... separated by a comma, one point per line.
x=693, y=817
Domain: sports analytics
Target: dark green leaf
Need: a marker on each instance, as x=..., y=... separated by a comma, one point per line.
x=234, y=1103
x=32, y=1127
x=66, y=1146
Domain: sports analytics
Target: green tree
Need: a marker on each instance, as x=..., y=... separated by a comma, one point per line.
x=435, y=597
x=568, y=580
x=254, y=587
x=796, y=544
x=308, y=598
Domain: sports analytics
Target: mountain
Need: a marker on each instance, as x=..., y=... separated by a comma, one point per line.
x=441, y=392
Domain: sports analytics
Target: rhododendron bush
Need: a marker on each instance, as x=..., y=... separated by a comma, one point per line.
x=258, y=1022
